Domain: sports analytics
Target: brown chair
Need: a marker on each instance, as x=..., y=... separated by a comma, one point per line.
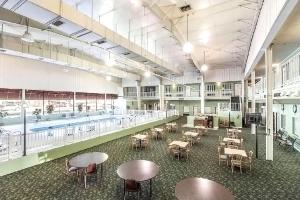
x=90, y=171
x=132, y=186
x=236, y=161
x=248, y=160
x=222, y=156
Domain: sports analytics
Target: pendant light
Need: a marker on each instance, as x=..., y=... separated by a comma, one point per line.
x=26, y=37
x=187, y=47
x=204, y=67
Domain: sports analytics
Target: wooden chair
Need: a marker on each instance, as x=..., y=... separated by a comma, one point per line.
x=236, y=161
x=185, y=152
x=248, y=161
x=134, y=143
x=145, y=143
x=132, y=186
x=222, y=156
x=71, y=171
x=90, y=171
x=221, y=143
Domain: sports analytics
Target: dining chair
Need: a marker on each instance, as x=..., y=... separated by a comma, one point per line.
x=185, y=152
x=90, y=171
x=132, y=186
x=134, y=143
x=221, y=143
x=236, y=161
x=71, y=171
x=145, y=143
x=222, y=156
x=248, y=160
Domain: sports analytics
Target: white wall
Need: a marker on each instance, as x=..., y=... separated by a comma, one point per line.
x=24, y=73
x=223, y=75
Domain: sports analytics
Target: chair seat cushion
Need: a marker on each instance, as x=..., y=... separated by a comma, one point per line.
x=223, y=156
x=72, y=169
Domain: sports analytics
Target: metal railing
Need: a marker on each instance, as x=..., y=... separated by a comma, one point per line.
x=149, y=94
x=130, y=94
x=219, y=93
x=48, y=135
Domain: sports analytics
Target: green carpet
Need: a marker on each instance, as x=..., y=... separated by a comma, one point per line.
x=268, y=180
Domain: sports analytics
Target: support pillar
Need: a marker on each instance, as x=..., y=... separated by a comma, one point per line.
x=269, y=104
x=104, y=106
x=253, y=128
x=138, y=95
x=161, y=95
x=202, y=89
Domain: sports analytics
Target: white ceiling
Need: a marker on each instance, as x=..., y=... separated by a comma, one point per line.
x=221, y=28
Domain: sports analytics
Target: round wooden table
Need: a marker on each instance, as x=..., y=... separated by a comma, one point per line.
x=138, y=170
x=200, y=188
x=83, y=160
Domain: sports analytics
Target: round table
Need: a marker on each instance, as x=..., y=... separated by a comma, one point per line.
x=200, y=188
x=83, y=160
x=138, y=170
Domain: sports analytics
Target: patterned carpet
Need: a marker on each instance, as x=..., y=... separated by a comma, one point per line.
x=278, y=180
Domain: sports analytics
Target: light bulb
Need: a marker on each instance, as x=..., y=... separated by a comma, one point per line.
x=147, y=74
x=204, y=67
x=108, y=78
x=174, y=85
x=136, y=2
x=188, y=47
x=218, y=83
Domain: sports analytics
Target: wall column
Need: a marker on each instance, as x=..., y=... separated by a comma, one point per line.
x=138, y=94
x=202, y=89
x=253, y=126
x=104, y=102
x=161, y=95
x=269, y=104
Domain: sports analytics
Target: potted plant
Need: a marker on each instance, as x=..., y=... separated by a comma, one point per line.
x=37, y=113
x=50, y=109
x=80, y=107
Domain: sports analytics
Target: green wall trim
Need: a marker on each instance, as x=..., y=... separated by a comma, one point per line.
x=24, y=162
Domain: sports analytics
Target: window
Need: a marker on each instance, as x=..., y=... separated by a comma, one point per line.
x=296, y=126
x=283, y=121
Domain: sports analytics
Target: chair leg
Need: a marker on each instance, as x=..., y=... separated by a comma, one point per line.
x=85, y=181
x=241, y=169
x=232, y=169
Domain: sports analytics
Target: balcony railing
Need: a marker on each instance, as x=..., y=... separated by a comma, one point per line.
x=219, y=93
x=47, y=135
x=149, y=94
x=130, y=94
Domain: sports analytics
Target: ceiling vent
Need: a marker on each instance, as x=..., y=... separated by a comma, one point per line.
x=185, y=8
x=58, y=23
x=126, y=53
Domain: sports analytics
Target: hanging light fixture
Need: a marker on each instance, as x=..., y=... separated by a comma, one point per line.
x=26, y=37
x=187, y=46
x=147, y=73
x=108, y=78
x=204, y=67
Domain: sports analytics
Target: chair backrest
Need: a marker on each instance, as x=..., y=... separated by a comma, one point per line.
x=250, y=154
x=92, y=167
x=220, y=138
x=67, y=164
x=131, y=185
